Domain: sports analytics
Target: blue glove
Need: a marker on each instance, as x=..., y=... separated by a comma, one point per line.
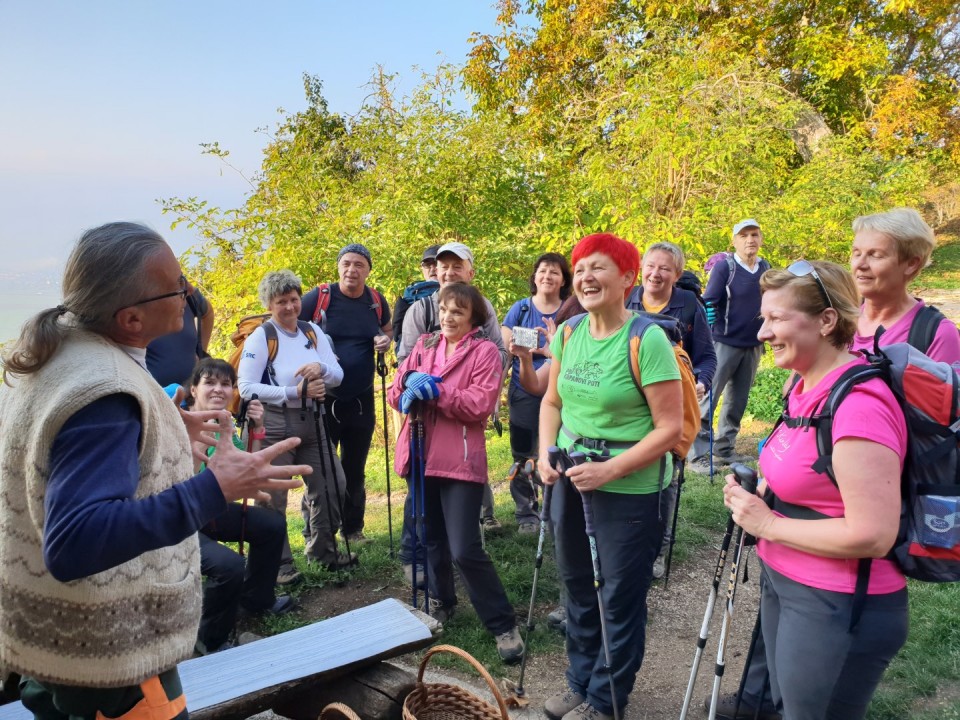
x=423, y=386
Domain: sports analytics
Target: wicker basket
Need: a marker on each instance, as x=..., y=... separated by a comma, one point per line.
x=338, y=711
x=442, y=701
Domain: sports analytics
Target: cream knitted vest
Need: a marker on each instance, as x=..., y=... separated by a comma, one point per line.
x=119, y=626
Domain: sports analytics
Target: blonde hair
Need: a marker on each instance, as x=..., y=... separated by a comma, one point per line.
x=911, y=235
x=839, y=286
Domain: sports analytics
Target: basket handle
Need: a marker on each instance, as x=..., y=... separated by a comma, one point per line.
x=335, y=711
x=464, y=655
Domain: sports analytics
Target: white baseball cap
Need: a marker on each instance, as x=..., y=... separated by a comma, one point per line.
x=743, y=224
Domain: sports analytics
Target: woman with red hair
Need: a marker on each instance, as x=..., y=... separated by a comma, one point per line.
x=592, y=405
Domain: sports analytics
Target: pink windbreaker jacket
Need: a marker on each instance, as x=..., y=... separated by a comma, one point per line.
x=454, y=422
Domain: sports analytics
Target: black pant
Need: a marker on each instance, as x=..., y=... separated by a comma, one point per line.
x=231, y=581
x=453, y=537
x=351, y=425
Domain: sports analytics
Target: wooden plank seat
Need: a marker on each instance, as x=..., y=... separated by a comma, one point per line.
x=248, y=679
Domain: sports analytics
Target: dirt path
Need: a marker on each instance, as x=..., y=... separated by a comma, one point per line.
x=675, y=616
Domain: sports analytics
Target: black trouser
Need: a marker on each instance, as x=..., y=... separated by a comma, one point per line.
x=524, y=415
x=231, y=581
x=351, y=425
x=453, y=538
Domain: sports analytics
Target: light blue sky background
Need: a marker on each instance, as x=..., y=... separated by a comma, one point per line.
x=103, y=104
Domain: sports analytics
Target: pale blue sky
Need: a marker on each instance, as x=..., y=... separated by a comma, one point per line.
x=103, y=104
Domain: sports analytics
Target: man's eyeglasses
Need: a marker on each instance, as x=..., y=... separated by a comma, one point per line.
x=428, y=263
x=182, y=292
x=802, y=268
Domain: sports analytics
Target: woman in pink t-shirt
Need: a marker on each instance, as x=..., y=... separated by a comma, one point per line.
x=820, y=667
x=889, y=251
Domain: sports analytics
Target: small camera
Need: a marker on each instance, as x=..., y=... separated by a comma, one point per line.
x=526, y=337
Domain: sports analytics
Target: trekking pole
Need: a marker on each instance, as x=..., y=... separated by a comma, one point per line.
x=710, y=309
x=707, y=615
x=578, y=458
x=554, y=455
x=418, y=489
x=333, y=471
x=340, y=582
x=673, y=524
x=382, y=372
x=754, y=637
x=748, y=481
x=241, y=421
x=711, y=432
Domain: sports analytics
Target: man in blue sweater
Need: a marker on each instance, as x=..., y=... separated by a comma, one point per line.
x=734, y=290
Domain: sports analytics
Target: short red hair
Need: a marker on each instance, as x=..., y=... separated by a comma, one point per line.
x=624, y=254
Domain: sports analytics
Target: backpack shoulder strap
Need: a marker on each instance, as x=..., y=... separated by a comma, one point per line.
x=430, y=321
x=569, y=326
x=524, y=310
x=377, y=304
x=841, y=388
x=638, y=326
x=323, y=302
x=731, y=267
x=273, y=343
x=924, y=328
x=307, y=329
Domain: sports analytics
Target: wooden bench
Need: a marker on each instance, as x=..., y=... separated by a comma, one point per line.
x=248, y=679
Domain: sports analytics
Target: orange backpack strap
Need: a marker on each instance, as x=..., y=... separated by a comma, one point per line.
x=154, y=705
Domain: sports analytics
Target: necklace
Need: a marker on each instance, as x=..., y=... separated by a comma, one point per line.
x=611, y=332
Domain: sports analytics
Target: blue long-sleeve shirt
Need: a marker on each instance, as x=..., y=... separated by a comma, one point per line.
x=92, y=520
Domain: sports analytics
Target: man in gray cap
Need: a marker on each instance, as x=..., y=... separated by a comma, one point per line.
x=454, y=264
x=734, y=291
x=356, y=317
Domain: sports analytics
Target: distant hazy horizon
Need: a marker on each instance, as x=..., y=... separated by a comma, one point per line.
x=17, y=308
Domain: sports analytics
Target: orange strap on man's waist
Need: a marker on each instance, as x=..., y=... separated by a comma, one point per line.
x=154, y=706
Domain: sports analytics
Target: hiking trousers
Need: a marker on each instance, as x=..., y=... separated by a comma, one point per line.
x=818, y=668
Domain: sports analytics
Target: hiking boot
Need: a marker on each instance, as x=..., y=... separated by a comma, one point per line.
x=659, y=567
x=339, y=562
x=490, y=524
x=358, y=538
x=727, y=460
x=510, y=646
x=557, y=620
x=746, y=711
x=439, y=611
x=586, y=711
x=288, y=575
x=421, y=576
x=528, y=527
x=559, y=705
x=701, y=465
x=281, y=606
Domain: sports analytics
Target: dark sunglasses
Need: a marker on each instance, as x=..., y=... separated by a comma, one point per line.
x=802, y=268
x=182, y=292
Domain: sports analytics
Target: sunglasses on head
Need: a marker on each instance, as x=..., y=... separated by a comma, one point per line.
x=802, y=268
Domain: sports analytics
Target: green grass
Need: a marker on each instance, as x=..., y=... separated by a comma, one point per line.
x=944, y=271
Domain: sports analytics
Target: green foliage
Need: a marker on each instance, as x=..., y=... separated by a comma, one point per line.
x=766, y=401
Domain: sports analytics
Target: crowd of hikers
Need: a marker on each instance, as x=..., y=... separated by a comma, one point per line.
x=114, y=499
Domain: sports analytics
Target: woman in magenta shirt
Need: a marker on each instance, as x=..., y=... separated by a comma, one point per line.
x=889, y=251
x=819, y=666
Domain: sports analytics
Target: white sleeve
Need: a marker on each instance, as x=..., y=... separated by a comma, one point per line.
x=253, y=363
x=332, y=372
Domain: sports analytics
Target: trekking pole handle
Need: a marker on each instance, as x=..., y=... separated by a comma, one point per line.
x=553, y=457
x=381, y=365
x=242, y=415
x=746, y=477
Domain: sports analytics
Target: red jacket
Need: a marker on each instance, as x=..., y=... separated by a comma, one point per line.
x=454, y=440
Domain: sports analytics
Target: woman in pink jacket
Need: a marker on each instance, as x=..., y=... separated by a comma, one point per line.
x=451, y=379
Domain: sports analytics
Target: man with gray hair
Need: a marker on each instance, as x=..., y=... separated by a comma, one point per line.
x=99, y=560
x=356, y=318
x=734, y=291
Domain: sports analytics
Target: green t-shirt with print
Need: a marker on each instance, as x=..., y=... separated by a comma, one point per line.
x=600, y=399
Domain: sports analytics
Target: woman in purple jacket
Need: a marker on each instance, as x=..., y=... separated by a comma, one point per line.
x=450, y=380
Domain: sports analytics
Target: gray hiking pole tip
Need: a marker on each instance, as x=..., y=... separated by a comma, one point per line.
x=747, y=478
